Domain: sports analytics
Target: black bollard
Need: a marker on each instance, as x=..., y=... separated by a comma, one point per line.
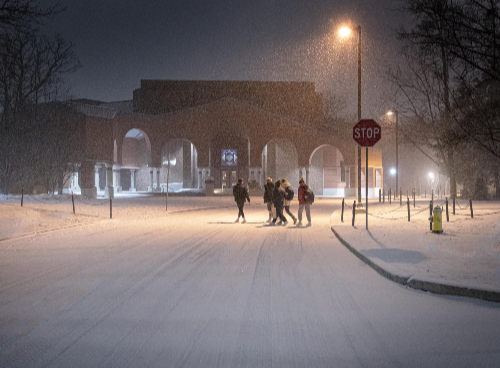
x=110, y=208
x=383, y=195
x=447, y=214
x=353, y=212
x=453, y=204
x=471, y=211
x=408, y=205
x=390, y=196
x=22, y=196
x=430, y=213
x=379, y=195
x=400, y=197
x=342, y=216
x=73, y=200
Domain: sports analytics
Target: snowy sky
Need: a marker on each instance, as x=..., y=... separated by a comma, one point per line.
x=120, y=42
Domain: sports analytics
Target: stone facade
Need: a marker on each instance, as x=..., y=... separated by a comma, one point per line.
x=274, y=129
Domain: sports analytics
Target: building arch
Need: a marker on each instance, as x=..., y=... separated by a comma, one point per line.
x=280, y=160
x=135, y=158
x=327, y=175
x=183, y=172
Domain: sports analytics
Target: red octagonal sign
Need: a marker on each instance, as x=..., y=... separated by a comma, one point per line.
x=367, y=132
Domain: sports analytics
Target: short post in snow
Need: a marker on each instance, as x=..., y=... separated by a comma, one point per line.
x=353, y=212
x=73, y=201
x=400, y=197
x=447, y=214
x=432, y=194
x=22, y=196
x=408, y=205
x=471, y=211
x=453, y=204
x=168, y=174
x=110, y=208
x=379, y=195
x=395, y=193
x=390, y=195
x=383, y=195
x=430, y=214
x=342, y=216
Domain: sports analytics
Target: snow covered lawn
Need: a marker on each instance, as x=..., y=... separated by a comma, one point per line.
x=466, y=254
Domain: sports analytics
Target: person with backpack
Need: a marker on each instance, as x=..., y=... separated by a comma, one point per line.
x=268, y=197
x=289, y=194
x=278, y=200
x=240, y=194
x=306, y=198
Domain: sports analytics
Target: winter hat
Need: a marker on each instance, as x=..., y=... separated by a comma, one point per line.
x=269, y=180
x=240, y=180
x=301, y=180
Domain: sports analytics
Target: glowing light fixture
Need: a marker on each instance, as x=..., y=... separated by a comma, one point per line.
x=390, y=113
x=431, y=176
x=344, y=32
x=393, y=171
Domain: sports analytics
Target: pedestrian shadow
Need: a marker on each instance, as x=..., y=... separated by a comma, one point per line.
x=393, y=255
x=234, y=223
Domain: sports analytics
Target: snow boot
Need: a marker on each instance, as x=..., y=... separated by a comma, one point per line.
x=244, y=221
x=237, y=220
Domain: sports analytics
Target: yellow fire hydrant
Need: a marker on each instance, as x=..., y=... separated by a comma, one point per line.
x=436, y=220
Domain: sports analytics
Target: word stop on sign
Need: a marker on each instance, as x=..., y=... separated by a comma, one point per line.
x=361, y=133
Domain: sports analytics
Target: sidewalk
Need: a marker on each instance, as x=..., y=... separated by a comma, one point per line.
x=463, y=260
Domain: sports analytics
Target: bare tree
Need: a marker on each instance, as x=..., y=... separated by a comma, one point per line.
x=31, y=67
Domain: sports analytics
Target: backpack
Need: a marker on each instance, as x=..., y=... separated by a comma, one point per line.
x=309, y=196
x=289, y=194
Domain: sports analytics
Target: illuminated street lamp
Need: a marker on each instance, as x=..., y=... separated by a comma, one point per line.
x=345, y=32
x=390, y=113
x=393, y=171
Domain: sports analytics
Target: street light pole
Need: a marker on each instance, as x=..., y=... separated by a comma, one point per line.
x=395, y=112
x=359, y=114
x=397, y=157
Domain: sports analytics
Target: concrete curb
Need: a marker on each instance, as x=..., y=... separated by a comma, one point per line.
x=433, y=287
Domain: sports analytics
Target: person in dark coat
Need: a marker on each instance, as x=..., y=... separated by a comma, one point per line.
x=288, y=198
x=268, y=197
x=278, y=201
x=240, y=195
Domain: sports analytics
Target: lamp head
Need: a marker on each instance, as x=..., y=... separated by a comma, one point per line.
x=345, y=32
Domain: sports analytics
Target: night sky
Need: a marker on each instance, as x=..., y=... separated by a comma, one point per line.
x=120, y=42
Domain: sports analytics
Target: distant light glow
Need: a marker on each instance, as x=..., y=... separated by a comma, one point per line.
x=431, y=176
x=390, y=113
x=393, y=171
x=344, y=32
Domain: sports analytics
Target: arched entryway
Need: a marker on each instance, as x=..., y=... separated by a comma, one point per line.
x=183, y=158
x=135, y=161
x=280, y=161
x=327, y=172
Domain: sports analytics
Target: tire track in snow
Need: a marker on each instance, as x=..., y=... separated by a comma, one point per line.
x=62, y=342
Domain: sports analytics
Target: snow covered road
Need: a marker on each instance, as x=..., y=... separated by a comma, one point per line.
x=196, y=290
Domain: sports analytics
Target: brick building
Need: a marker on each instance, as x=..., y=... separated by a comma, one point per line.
x=215, y=129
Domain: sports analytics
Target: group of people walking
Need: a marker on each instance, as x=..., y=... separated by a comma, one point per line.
x=278, y=196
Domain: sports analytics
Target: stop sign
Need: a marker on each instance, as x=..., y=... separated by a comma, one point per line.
x=367, y=132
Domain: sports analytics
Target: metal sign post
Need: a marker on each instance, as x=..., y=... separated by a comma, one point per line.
x=366, y=133
x=366, y=187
